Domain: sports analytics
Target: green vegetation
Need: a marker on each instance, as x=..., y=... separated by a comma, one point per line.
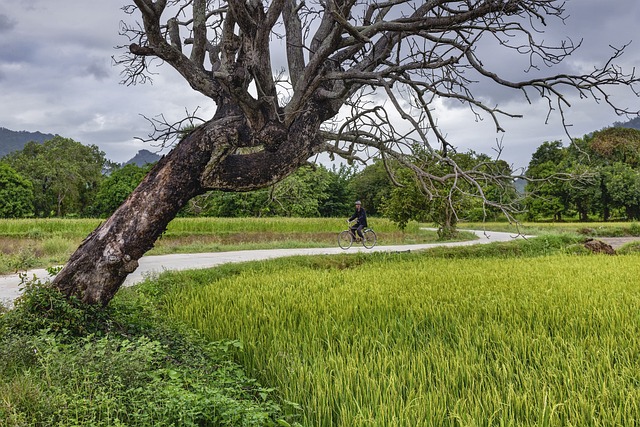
x=604, y=172
x=65, y=364
x=591, y=229
x=524, y=333
x=447, y=201
x=64, y=174
x=16, y=193
x=114, y=189
x=411, y=339
x=595, y=178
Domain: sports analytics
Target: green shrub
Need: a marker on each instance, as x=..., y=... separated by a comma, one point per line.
x=64, y=363
x=629, y=248
x=43, y=308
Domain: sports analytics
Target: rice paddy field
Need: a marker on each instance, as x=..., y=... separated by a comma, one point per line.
x=425, y=340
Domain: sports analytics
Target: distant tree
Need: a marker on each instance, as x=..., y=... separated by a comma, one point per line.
x=309, y=192
x=614, y=153
x=444, y=202
x=114, y=189
x=338, y=200
x=546, y=193
x=597, y=176
x=407, y=201
x=623, y=185
x=616, y=144
x=16, y=193
x=372, y=185
x=65, y=174
x=300, y=194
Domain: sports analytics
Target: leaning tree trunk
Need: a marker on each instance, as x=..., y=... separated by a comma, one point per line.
x=202, y=161
x=105, y=258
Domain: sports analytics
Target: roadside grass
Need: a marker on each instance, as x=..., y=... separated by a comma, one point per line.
x=588, y=229
x=520, y=333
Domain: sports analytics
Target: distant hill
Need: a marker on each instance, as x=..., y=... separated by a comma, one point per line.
x=11, y=140
x=633, y=124
x=143, y=157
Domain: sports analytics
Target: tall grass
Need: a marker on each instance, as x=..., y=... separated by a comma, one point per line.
x=593, y=229
x=273, y=225
x=46, y=227
x=189, y=226
x=66, y=364
x=421, y=341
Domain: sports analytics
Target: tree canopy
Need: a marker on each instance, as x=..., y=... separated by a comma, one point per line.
x=16, y=193
x=597, y=175
x=64, y=173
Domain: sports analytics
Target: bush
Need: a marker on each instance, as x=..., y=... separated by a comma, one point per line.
x=43, y=308
x=65, y=363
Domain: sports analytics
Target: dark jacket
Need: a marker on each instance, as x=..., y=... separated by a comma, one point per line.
x=361, y=215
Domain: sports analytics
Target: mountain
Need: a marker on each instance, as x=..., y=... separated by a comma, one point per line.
x=11, y=140
x=143, y=157
x=633, y=124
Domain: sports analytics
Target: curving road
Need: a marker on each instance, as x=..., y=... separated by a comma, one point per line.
x=153, y=264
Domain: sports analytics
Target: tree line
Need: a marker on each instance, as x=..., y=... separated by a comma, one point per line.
x=597, y=176
x=64, y=178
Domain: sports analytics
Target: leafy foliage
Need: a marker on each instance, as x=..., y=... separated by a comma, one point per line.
x=64, y=173
x=443, y=202
x=311, y=191
x=16, y=193
x=113, y=190
x=599, y=175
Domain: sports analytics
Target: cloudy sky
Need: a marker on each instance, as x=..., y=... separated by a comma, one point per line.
x=57, y=76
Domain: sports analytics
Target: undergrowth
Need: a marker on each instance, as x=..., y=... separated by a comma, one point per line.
x=63, y=363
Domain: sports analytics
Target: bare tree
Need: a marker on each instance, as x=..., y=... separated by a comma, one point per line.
x=358, y=79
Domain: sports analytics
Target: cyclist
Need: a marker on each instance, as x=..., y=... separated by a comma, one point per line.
x=361, y=220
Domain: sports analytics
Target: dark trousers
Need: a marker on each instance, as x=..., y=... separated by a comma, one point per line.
x=358, y=229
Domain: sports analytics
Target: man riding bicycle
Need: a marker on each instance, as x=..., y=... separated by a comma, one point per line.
x=361, y=220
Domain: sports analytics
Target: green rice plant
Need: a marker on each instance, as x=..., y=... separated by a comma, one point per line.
x=45, y=227
x=51, y=241
x=58, y=247
x=424, y=341
x=66, y=364
x=182, y=226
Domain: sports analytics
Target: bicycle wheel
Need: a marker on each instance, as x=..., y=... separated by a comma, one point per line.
x=345, y=239
x=370, y=238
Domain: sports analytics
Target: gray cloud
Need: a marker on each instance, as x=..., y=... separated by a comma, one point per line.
x=6, y=23
x=99, y=70
x=56, y=77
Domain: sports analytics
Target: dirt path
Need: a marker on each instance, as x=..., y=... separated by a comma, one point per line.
x=617, y=242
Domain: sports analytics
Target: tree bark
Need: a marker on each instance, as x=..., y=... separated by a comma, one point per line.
x=104, y=259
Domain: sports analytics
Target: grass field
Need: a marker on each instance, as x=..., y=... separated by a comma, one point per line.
x=591, y=229
x=430, y=341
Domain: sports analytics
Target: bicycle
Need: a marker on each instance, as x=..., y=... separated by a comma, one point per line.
x=347, y=237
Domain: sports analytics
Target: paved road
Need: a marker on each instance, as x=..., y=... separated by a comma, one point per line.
x=10, y=284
